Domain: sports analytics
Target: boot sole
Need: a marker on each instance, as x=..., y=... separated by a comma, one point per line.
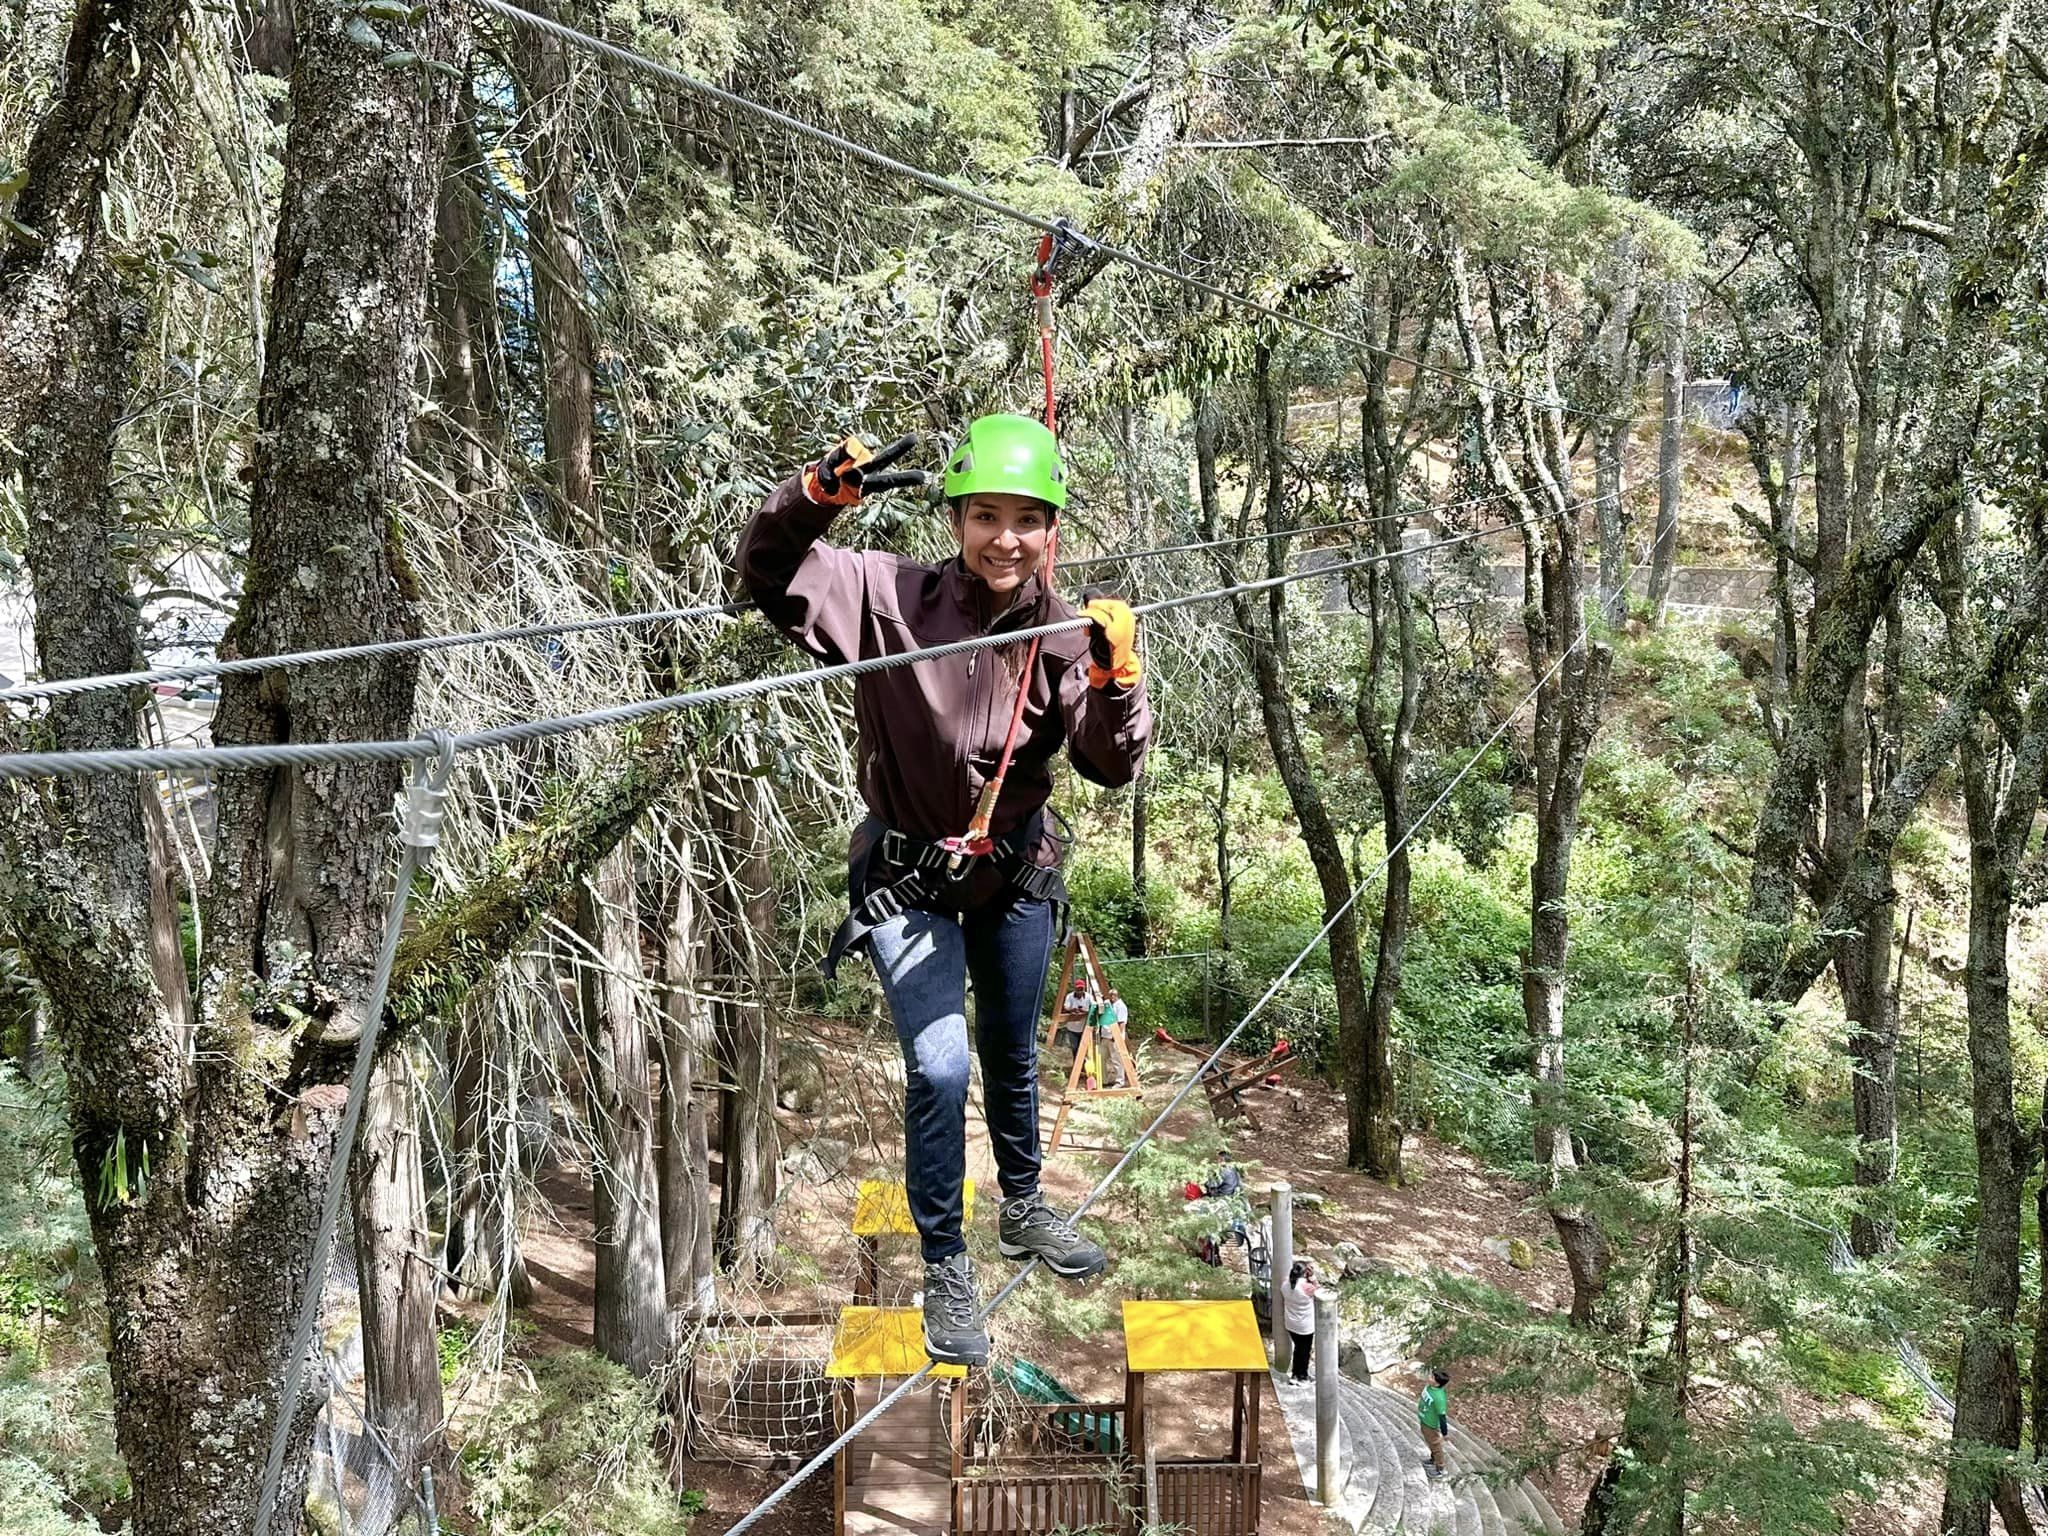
x=1064, y=1271
x=948, y=1357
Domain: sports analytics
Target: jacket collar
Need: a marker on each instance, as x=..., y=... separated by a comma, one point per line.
x=970, y=594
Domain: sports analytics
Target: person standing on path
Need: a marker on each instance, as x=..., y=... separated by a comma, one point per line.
x=1433, y=1408
x=930, y=913
x=1298, y=1298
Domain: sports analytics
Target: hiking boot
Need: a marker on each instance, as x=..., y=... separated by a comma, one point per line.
x=951, y=1334
x=1030, y=1229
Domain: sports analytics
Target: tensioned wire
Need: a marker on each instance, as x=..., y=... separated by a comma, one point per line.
x=1016, y=1281
x=198, y=671
x=1059, y=228
x=310, y=754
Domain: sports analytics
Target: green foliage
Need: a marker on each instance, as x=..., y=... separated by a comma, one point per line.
x=32, y=1503
x=572, y=1456
x=1478, y=170
x=57, y=1454
x=1837, y=1371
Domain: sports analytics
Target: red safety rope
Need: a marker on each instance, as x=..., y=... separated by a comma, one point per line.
x=976, y=840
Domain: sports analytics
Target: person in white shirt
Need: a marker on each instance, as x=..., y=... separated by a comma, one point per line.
x=1298, y=1301
x=1119, y=1015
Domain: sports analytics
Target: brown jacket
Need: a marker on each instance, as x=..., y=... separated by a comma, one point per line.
x=931, y=732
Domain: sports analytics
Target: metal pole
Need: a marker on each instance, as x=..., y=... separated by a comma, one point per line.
x=1283, y=1260
x=430, y=1514
x=1327, y=1470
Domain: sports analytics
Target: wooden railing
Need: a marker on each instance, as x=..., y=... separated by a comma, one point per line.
x=1209, y=1498
x=1031, y=1502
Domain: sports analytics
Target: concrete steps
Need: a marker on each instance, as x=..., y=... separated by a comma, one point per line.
x=1386, y=1490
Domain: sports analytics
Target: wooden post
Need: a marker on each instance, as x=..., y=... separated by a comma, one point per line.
x=1237, y=1416
x=1283, y=1260
x=1327, y=1470
x=1252, y=1416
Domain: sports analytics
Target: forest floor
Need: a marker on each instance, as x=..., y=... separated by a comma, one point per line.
x=1443, y=1218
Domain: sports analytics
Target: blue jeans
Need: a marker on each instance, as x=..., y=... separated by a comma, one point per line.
x=924, y=960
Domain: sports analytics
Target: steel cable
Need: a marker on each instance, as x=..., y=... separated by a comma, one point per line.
x=1058, y=228
x=239, y=666
x=314, y=754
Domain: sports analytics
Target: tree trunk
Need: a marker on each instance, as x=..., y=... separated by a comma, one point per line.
x=2038, y=1427
x=686, y=1218
x=630, y=1319
x=483, y=1229
x=1987, y=1396
x=204, y=1259
x=1139, y=923
x=748, y=1143
x=1374, y=1142
x=1992, y=235
x=560, y=300
x=1610, y=448
x=397, y=1278
x=1572, y=673
x=115, y=50
x=1391, y=615
x=1862, y=965
x=1670, y=445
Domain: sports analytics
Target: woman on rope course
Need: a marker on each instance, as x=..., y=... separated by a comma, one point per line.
x=934, y=909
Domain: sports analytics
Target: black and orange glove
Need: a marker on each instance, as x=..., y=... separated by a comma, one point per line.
x=849, y=472
x=1112, y=640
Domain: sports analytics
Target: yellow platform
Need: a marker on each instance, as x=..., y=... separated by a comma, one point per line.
x=884, y=1208
x=884, y=1341
x=1192, y=1336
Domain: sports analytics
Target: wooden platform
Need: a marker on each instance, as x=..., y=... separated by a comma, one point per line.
x=899, y=1473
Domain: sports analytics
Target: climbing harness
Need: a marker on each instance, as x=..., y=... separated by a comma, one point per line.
x=896, y=873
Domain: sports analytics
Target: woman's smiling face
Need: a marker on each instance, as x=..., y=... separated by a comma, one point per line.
x=1002, y=537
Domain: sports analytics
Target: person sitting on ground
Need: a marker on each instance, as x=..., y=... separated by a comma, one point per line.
x=1298, y=1300
x=1433, y=1408
x=931, y=733
x=1226, y=1180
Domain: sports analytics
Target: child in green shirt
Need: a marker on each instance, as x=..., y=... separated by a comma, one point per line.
x=1433, y=1408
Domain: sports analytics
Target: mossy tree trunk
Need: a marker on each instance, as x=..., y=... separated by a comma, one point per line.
x=204, y=1257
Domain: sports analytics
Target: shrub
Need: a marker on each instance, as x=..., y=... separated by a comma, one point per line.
x=572, y=1457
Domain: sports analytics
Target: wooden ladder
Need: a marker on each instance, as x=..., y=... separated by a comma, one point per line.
x=1081, y=951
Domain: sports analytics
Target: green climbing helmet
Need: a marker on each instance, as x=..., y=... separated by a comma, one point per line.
x=1008, y=453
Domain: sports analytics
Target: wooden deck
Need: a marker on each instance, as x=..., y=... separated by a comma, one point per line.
x=898, y=1475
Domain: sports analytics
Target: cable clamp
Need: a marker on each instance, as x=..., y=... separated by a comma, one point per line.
x=425, y=801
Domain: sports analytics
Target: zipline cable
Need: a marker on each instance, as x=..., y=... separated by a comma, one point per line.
x=243, y=665
x=311, y=754
x=890, y=1399
x=199, y=671
x=1058, y=228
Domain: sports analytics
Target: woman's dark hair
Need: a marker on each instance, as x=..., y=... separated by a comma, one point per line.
x=1443, y=1377
x=1300, y=1268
